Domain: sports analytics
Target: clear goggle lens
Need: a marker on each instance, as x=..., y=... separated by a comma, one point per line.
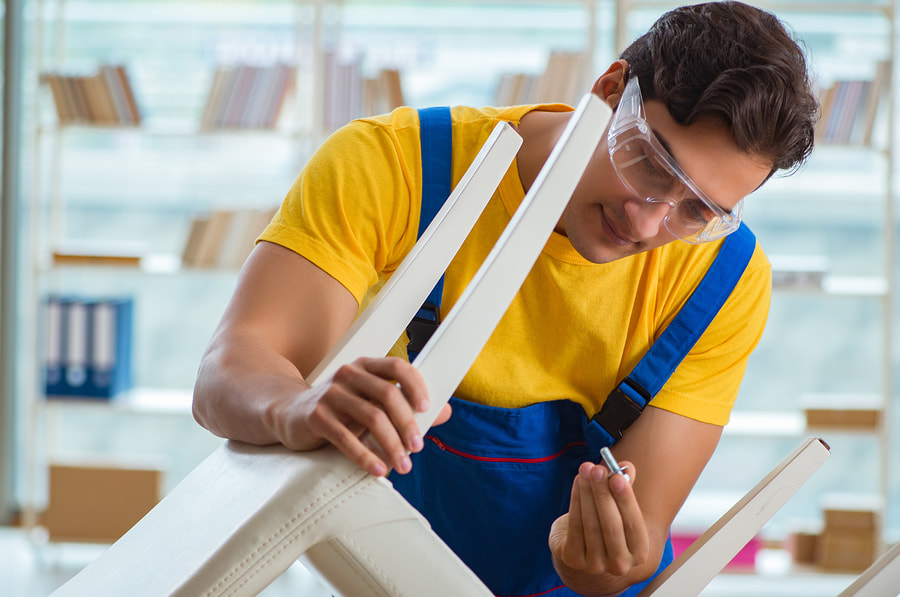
x=647, y=174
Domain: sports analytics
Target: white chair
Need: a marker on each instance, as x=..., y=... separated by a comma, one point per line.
x=247, y=513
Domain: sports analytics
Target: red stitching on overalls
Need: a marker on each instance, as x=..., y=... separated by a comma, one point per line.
x=541, y=593
x=444, y=446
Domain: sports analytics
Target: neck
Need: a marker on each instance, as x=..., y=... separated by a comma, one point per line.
x=540, y=131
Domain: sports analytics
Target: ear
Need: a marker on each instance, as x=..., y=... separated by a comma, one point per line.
x=611, y=84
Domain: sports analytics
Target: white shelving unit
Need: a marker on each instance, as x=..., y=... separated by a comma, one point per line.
x=142, y=183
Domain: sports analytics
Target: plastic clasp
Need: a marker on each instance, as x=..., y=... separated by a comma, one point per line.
x=618, y=412
x=422, y=326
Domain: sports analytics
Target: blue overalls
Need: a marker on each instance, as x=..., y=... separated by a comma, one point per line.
x=492, y=480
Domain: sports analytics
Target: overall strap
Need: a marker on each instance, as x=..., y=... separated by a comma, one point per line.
x=627, y=401
x=435, y=125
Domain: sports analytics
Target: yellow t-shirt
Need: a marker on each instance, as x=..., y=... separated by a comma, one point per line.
x=575, y=328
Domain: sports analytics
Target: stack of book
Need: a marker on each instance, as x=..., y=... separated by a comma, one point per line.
x=383, y=92
x=799, y=272
x=342, y=89
x=349, y=94
x=104, y=98
x=88, y=346
x=247, y=97
x=850, y=107
x=561, y=81
x=224, y=238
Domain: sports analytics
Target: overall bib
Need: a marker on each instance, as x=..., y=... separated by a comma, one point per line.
x=492, y=480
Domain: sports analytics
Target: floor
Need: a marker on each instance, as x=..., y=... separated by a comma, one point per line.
x=30, y=567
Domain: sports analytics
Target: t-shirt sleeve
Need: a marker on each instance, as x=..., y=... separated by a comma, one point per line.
x=706, y=383
x=349, y=210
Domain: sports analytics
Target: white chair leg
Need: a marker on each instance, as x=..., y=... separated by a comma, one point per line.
x=384, y=319
x=881, y=579
x=708, y=555
x=396, y=558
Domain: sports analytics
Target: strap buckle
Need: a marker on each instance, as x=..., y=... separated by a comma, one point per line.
x=422, y=326
x=620, y=410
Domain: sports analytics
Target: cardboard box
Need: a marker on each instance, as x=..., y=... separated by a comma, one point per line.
x=847, y=550
x=98, y=503
x=803, y=546
x=851, y=512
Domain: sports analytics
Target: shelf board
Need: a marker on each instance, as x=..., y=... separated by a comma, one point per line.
x=849, y=286
x=782, y=424
x=766, y=424
x=855, y=285
x=139, y=401
x=154, y=264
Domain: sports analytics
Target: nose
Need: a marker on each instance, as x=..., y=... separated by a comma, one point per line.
x=646, y=217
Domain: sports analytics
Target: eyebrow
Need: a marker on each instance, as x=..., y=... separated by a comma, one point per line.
x=662, y=141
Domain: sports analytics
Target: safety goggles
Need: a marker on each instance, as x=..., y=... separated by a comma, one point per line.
x=647, y=170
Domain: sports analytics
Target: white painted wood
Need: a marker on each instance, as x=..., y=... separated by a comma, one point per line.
x=710, y=553
x=446, y=358
x=881, y=579
x=384, y=319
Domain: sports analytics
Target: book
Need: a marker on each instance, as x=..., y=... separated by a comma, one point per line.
x=342, y=89
x=881, y=84
x=244, y=96
x=88, y=346
x=849, y=108
x=561, y=81
x=383, y=92
x=102, y=98
x=64, y=110
x=128, y=91
x=244, y=228
x=119, y=95
x=194, y=240
x=210, y=243
x=224, y=238
x=109, y=363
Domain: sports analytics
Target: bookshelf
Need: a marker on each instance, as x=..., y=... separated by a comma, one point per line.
x=139, y=188
x=830, y=233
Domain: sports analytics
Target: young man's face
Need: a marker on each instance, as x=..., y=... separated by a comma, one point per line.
x=605, y=220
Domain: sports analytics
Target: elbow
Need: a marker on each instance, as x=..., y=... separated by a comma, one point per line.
x=201, y=399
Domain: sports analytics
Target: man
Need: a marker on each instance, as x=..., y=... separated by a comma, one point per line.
x=709, y=103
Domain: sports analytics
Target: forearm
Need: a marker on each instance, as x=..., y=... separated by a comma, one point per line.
x=242, y=384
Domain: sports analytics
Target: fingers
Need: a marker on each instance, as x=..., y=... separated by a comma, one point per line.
x=606, y=531
x=637, y=539
x=592, y=512
x=574, y=554
x=444, y=415
x=378, y=396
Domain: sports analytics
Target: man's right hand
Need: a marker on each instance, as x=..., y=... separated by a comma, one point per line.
x=375, y=395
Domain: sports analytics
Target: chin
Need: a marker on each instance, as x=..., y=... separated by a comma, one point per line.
x=597, y=251
x=588, y=239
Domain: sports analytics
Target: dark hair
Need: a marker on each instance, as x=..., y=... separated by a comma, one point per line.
x=734, y=63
